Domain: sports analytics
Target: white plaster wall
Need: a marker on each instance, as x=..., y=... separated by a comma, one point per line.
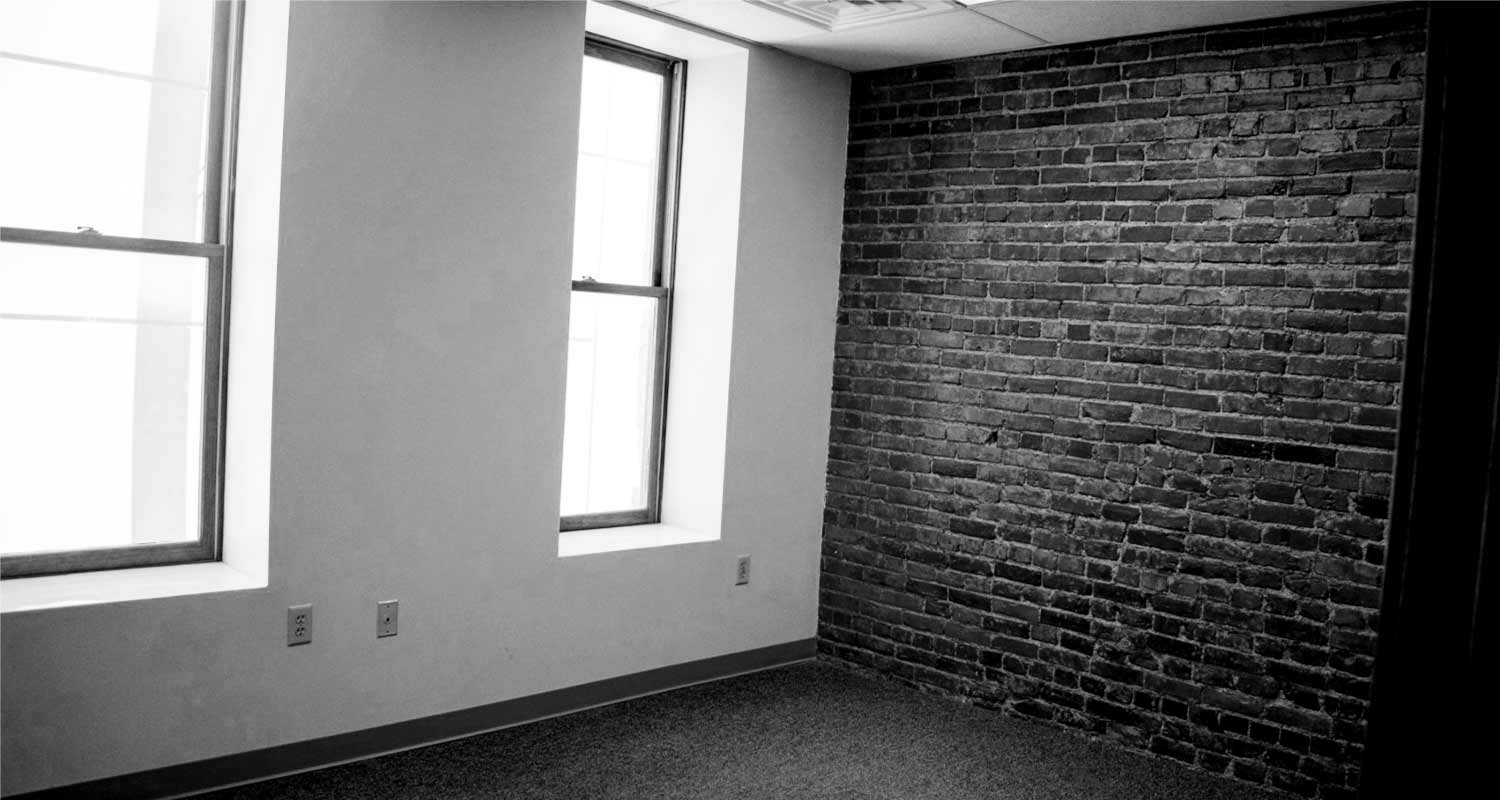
x=423, y=279
x=781, y=372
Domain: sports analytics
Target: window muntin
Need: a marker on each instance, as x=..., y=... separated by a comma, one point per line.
x=113, y=281
x=621, y=305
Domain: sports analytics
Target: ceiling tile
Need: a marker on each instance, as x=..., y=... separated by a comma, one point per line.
x=738, y=18
x=1064, y=21
x=838, y=15
x=970, y=27
x=954, y=34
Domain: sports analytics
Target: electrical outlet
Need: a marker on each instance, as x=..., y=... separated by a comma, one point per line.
x=299, y=624
x=386, y=612
x=742, y=571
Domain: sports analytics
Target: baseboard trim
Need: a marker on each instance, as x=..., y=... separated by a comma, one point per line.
x=184, y=780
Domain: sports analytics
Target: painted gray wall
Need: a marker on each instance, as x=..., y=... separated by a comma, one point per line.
x=421, y=335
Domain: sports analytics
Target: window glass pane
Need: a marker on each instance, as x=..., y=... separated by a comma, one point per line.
x=619, y=152
x=102, y=407
x=611, y=379
x=106, y=107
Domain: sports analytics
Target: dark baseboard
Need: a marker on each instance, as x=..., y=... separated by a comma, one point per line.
x=257, y=765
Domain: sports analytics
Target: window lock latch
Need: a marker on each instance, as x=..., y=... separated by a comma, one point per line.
x=88, y=229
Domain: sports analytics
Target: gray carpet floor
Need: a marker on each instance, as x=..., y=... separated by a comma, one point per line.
x=810, y=730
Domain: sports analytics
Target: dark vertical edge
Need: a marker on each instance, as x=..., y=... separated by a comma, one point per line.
x=215, y=351
x=1484, y=626
x=1388, y=647
x=1432, y=692
x=672, y=122
x=219, y=214
x=213, y=146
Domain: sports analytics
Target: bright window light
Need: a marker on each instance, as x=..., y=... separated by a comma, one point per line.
x=621, y=277
x=111, y=281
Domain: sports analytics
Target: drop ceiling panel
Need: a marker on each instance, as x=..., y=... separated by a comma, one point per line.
x=738, y=18
x=1064, y=21
x=918, y=31
x=953, y=34
x=836, y=15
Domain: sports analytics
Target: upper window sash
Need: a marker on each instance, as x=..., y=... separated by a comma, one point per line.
x=668, y=134
x=106, y=96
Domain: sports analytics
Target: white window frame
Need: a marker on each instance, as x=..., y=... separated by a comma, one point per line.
x=674, y=71
x=218, y=209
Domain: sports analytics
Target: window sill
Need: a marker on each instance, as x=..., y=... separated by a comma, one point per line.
x=121, y=585
x=629, y=537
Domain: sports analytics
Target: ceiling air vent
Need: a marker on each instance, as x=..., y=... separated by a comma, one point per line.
x=841, y=15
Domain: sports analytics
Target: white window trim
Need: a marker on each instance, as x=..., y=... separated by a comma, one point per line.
x=692, y=502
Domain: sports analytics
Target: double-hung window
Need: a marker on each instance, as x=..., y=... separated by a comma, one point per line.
x=114, y=275
x=622, y=293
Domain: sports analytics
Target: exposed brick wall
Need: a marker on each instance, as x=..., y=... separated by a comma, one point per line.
x=1115, y=392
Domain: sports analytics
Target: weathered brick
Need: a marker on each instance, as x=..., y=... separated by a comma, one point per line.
x=1115, y=385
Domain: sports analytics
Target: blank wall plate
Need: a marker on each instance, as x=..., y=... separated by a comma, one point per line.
x=386, y=613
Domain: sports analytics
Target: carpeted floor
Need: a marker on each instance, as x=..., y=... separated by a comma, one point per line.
x=805, y=731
